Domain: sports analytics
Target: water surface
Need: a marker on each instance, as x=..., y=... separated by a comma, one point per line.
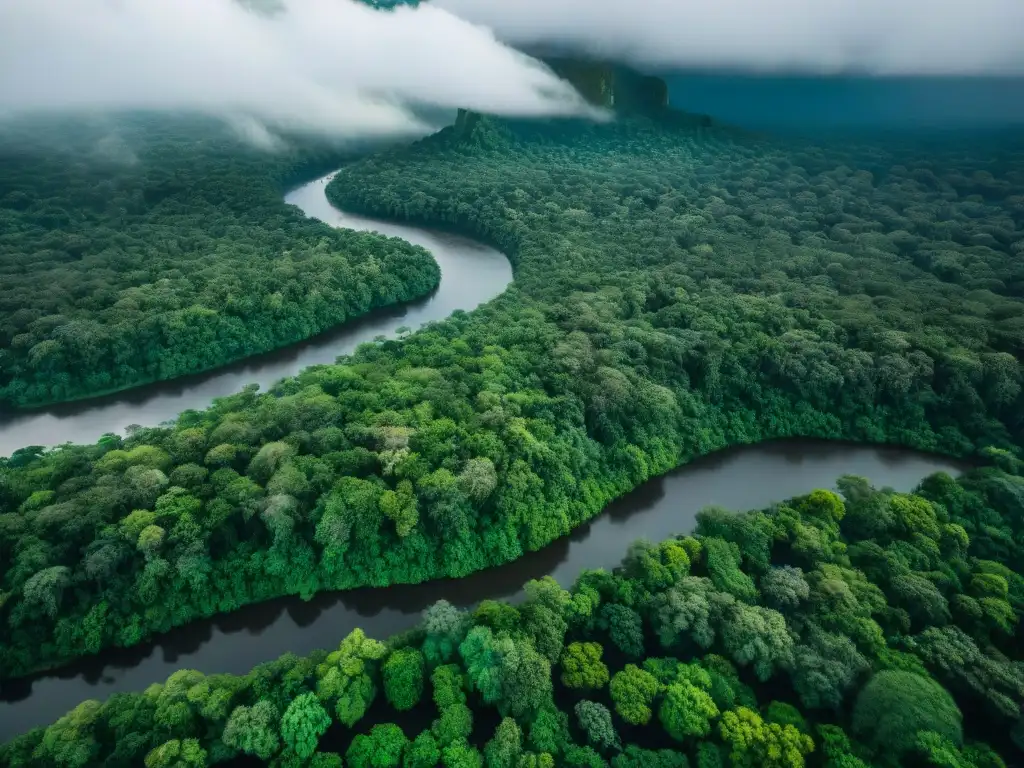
x=819, y=105
x=471, y=274
x=743, y=478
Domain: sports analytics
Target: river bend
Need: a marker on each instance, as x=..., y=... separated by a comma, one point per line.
x=742, y=478
x=471, y=274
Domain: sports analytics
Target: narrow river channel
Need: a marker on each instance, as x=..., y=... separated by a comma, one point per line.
x=471, y=274
x=743, y=478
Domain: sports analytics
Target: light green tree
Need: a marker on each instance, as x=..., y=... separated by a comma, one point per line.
x=633, y=692
x=303, y=723
x=253, y=730
x=503, y=750
x=687, y=710
x=346, y=677
x=424, y=752
x=186, y=753
x=582, y=667
x=753, y=742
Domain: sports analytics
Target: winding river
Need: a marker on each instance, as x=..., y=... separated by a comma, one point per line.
x=471, y=274
x=742, y=478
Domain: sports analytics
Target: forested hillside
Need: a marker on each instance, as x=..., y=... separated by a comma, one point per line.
x=872, y=628
x=679, y=289
x=138, y=249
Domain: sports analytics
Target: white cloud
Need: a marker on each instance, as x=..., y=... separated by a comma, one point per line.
x=338, y=67
x=909, y=37
x=332, y=66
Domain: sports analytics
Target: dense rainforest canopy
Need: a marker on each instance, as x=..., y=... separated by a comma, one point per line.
x=680, y=288
x=867, y=628
x=141, y=249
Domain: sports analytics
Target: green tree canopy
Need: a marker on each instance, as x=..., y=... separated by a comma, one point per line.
x=895, y=706
x=582, y=666
x=303, y=723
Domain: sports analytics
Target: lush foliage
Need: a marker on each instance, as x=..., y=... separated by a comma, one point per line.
x=680, y=288
x=142, y=250
x=847, y=674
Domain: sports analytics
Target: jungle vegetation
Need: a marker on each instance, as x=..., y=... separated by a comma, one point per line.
x=864, y=628
x=680, y=288
x=137, y=249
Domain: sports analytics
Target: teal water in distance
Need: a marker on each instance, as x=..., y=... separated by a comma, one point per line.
x=850, y=104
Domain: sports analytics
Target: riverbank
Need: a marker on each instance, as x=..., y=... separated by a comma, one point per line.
x=470, y=275
x=742, y=478
x=821, y=624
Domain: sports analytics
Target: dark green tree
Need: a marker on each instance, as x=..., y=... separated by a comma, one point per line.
x=894, y=707
x=403, y=678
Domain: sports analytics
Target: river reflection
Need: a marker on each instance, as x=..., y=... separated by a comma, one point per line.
x=742, y=478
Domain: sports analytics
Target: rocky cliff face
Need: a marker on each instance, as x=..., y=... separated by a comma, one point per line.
x=387, y=5
x=612, y=86
x=604, y=84
x=464, y=122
